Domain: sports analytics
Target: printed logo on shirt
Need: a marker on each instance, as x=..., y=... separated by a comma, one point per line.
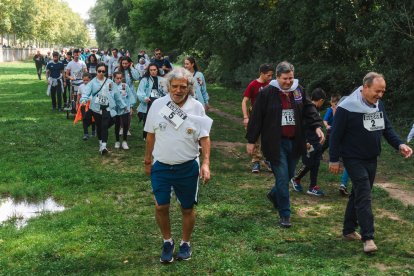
x=297, y=95
x=123, y=90
x=189, y=130
x=163, y=126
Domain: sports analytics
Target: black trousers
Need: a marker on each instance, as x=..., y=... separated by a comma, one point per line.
x=359, y=210
x=87, y=120
x=56, y=90
x=66, y=91
x=122, y=120
x=311, y=162
x=103, y=122
x=39, y=68
x=142, y=117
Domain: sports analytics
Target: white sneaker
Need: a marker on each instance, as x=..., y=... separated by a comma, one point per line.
x=125, y=145
x=129, y=133
x=121, y=131
x=118, y=145
x=104, y=150
x=100, y=145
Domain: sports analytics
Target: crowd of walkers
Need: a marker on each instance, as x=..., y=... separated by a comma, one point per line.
x=100, y=87
x=282, y=122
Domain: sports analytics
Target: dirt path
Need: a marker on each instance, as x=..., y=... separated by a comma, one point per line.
x=398, y=192
x=226, y=115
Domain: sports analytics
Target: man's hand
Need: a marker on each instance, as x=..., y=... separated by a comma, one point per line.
x=405, y=150
x=148, y=164
x=250, y=148
x=334, y=167
x=205, y=173
x=320, y=134
x=245, y=122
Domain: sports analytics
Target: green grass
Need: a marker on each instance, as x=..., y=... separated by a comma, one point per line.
x=109, y=228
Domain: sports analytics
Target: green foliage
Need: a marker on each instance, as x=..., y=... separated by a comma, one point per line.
x=332, y=44
x=43, y=21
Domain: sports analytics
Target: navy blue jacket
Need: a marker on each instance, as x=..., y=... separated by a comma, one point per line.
x=349, y=139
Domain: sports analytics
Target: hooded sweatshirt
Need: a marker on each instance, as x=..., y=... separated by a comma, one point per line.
x=358, y=127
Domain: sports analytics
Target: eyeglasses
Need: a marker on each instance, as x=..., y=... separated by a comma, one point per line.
x=101, y=71
x=157, y=54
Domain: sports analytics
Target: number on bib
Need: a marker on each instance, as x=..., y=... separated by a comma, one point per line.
x=288, y=117
x=374, y=121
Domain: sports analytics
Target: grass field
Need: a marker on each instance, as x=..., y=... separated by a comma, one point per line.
x=109, y=228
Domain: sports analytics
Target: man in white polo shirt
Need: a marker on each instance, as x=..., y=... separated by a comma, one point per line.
x=176, y=125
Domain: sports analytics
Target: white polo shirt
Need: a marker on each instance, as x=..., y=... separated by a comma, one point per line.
x=176, y=146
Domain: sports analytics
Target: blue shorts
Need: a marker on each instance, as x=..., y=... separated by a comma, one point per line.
x=182, y=178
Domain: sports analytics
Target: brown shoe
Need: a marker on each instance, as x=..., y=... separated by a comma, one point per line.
x=354, y=236
x=369, y=246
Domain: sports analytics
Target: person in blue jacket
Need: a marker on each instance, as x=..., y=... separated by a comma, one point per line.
x=105, y=103
x=129, y=75
x=200, y=93
x=123, y=114
x=360, y=122
x=150, y=88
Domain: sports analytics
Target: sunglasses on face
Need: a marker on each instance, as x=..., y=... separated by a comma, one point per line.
x=101, y=71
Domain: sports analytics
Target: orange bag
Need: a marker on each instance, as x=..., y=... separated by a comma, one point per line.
x=78, y=116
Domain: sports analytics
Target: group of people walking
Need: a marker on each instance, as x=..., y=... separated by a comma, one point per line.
x=289, y=126
x=282, y=123
x=104, y=93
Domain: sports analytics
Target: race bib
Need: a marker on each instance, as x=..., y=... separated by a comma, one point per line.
x=374, y=121
x=155, y=93
x=102, y=99
x=173, y=114
x=288, y=117
x=92, y=70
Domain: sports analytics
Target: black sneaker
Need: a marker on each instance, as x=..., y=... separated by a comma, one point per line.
x=184, y=252
x=167, y=252
x=343, y=191
x=272, y=199
x=85, y=137
x=285, y=222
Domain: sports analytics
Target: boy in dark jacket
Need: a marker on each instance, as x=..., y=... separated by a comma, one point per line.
x=312, y=159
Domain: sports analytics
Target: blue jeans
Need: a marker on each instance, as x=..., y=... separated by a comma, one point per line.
x=283, y=173
x=344, y=178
